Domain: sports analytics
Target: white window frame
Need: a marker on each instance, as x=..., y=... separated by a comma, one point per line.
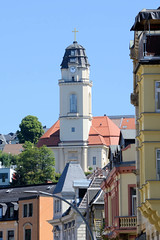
x=28, y=215
x=157, y=170
x=157, y=92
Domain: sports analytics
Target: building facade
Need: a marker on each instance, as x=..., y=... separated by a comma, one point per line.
x=72, y=186
x=145, y=53
x=120, y=195
x=25, y=211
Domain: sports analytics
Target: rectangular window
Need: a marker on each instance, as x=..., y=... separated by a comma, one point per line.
x=57, y=206
x=25, y=210
x=11, y=235
x=3, y=176
x=30, y=210
x=72, y=59
x=73, y=103
x=94, y=160
x=158, y=163
x=72, y=52
x=1, y=235
x=73, y=129
x=134, y=205
x=11, y=212
x=157, y=95
x=27, y=234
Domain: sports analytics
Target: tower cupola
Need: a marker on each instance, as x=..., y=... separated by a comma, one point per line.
x=74, y=55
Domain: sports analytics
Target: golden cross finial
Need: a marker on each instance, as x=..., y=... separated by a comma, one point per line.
x=75, y=34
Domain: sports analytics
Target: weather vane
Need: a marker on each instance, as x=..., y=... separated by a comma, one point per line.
x=75, y=34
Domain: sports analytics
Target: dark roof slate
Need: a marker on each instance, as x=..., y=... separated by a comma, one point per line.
x=14, y=193
x=79, y=56
x=71, y=172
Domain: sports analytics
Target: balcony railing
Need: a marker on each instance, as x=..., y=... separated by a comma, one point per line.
x=127, y=222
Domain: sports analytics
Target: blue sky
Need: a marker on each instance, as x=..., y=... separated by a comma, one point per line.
x=33, y=38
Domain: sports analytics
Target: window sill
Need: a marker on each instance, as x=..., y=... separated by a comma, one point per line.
x=73, y=114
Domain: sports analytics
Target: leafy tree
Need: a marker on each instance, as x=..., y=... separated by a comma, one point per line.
x=30, y=130
x=34, y=165
x=7, y=159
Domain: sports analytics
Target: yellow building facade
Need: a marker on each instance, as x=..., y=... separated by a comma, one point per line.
x=146, y=99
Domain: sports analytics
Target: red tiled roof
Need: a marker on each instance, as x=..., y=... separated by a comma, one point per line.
x=51, y=137
x=128, y=123
x=102, y=132
x=105, y=132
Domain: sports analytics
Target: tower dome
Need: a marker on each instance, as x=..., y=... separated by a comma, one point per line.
x=75, y=53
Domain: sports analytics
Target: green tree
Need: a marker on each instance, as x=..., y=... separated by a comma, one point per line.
x=7, y=159
x=30, y=130
x=34, y=165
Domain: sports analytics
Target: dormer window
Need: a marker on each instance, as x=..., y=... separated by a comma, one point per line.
x=72, y=60
x=72, y=52
x=11, y=212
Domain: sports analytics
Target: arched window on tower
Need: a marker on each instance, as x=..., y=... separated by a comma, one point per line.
x=73, y=103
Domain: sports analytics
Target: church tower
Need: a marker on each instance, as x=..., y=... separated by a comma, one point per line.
x=75, y=97
x=76, y=136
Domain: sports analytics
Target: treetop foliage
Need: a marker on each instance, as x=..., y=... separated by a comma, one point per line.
x=34, y=166
x=30, y=130
x=7, y=159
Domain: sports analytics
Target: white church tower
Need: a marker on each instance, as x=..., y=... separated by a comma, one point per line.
x=77, y=136
x=75, y=102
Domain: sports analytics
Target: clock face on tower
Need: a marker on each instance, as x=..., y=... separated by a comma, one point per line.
x=72, y=69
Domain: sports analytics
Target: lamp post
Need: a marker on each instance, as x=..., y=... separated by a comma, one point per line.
x=75, y=208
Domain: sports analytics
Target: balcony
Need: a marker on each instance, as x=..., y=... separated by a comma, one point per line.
x=126, y=225
x=126, y=222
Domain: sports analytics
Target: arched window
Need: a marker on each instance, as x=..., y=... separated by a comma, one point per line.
x=73, y=103
x=27, y=231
